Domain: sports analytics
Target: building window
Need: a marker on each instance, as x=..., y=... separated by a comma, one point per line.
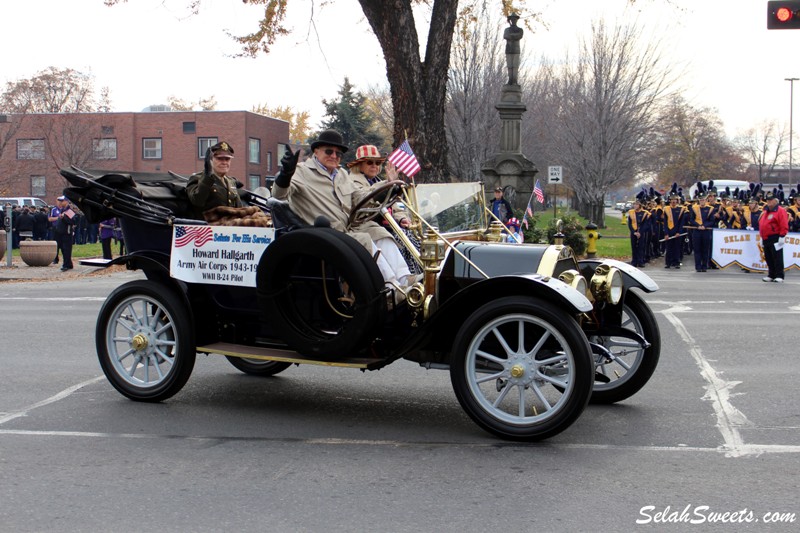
x=30, y=149
x=104, y=148
x=254, y=152
x=269, y=162
x=253, y=181
x=107, y=130
x=203, y=144
x=151, y=148
x=38, y=187
x=188, y=127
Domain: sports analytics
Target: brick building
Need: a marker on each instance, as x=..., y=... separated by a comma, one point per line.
x=34, y=146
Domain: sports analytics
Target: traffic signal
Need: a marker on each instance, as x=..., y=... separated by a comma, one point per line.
x=783, y=15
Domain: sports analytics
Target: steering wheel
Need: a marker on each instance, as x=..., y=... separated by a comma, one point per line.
x=362, y=211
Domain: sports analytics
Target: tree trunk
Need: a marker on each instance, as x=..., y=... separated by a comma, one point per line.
x=418, y=88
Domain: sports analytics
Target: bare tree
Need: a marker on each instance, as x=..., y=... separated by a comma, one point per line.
x=65, y=98
x=476, y=76
x=607, y=112
x=52, y=90
x=763, y=146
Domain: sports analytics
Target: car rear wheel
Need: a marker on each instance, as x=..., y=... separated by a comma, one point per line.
x=258, y=367
x=145, y=341
x=632, y=365
x=521, y=369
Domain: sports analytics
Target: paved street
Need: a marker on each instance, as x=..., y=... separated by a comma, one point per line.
x=314, y=449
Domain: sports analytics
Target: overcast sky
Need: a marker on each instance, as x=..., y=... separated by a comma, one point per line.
x=147, y=50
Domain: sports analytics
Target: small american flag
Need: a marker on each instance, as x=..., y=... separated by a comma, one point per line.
x=199, y=235
x=405, y=160
x=537, y=190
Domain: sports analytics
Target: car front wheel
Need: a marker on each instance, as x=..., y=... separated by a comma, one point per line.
x=521, y=369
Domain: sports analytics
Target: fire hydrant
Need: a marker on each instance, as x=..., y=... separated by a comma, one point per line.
x=591, y=238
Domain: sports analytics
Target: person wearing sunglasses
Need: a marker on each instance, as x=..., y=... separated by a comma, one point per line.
x=319, y=186
x=213, y=186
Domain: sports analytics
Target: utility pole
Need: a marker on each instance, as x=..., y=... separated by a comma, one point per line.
x=791, y=134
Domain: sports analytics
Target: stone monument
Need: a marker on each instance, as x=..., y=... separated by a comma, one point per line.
x=509, y=168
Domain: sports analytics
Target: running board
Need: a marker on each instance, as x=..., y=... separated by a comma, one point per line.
x=286, y=356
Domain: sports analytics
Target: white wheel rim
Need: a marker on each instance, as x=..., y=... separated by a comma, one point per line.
x=628, y=353
x=141, y=341
x=520, y=369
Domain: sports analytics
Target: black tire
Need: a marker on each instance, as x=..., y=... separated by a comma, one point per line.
x=302, y=306
x=637, y=366
x=145, y=341
x=258, y=367
x=557, y=367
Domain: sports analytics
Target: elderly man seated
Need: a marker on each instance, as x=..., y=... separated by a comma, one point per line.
x=319, y=186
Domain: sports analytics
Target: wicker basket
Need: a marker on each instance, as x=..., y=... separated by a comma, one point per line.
x=38, y=253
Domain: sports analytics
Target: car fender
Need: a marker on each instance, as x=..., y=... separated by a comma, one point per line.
x=440, y=328
x=632, y=276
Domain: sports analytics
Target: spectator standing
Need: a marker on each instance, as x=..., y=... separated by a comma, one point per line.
x=106, y=234
x=501, y=208
x=24, y=226
x=773, y=227
x=61, y=217
x=40, y=224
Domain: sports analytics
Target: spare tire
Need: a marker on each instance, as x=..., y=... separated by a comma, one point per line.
x=305, y=282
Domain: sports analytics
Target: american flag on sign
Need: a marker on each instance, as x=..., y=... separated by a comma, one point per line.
x=197, y=235
x=405, y=160
x=537, y=190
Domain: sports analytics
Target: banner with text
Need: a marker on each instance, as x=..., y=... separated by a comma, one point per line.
x=745, y=248
x=222, y=255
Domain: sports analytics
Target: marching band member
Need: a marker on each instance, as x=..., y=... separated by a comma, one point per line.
x=638, y=222
x=674, y=218
x=702, y=220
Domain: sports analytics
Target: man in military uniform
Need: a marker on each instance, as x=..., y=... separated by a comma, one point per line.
x=213, y=186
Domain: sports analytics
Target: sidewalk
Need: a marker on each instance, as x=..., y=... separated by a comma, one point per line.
x=19, y=271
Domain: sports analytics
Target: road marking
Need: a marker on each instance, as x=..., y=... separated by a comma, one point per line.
x=52, y=399
x=745, y=449
x=718, y=391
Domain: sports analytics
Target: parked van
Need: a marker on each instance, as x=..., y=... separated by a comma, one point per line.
x=720, y=186
x=21, y=201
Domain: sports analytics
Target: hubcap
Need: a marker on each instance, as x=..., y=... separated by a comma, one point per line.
x=139, y=342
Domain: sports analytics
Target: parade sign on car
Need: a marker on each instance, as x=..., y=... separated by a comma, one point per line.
x=221, y=255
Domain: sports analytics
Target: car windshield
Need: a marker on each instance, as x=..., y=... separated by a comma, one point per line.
x=452, y=207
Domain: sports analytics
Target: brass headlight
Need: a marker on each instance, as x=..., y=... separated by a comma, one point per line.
x=574, y=279
x=607, y=284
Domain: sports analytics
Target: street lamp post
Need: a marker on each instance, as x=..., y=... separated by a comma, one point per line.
x=791, y=115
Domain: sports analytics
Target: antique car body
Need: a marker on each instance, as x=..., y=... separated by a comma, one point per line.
x=529, y=333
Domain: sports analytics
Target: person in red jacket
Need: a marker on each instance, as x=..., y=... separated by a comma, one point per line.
x=773, y=227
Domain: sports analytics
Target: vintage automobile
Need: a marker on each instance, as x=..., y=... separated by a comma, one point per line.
x=528, y=332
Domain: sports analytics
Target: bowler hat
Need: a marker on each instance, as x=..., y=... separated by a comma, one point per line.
x=329, y=138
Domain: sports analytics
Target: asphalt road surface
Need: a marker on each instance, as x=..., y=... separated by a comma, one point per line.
x=714, y=438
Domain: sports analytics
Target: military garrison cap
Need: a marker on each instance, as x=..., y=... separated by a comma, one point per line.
x=222, y=148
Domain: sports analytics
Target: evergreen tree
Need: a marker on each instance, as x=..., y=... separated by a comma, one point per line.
x=349, y=115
